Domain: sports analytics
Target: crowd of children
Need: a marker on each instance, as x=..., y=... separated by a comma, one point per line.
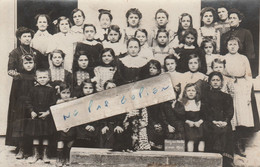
x=211, y=77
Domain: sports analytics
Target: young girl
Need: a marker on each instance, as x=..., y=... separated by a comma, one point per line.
x=26, y=82
x=208, y=19
x=87, y=133
x=162, y=49
x=42, y=37
x=162, y=19
x=41, y=125
x=65, y=139
x=146, y=52
x=90, y=45
x=113, y=40
x=133, y=18
x=63, y=40
x=185, y=22
x=77, y=18
x=58, y=73
x=80, y=71
x=190, y=47
x=105, y=18
x=218, y=114
x=194, y=118
x=246, y=117
x=107, y=69
x=209, y=47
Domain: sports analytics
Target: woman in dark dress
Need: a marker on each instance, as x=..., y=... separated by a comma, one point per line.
x=218, y=117
x=15, y=69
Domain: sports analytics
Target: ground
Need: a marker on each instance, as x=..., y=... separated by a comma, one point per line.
x=7, y=156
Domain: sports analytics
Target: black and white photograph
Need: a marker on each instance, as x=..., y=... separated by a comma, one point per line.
x=130, y=83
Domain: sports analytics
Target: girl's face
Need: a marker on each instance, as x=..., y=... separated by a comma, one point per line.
x=185, y=22
x=57, y=59
x=222, y=14
x=110, y=85
x=207, y=18
x=113, y=36
x=208, y=48
x=153, y=70
x=189, y=40
x=28, y=65
x=170, y=65
x=105, y=21
x=133, y=20
x=234, y=20
x=42, y=23
x=89, y=32
x=107, y=57
x=216, y=82
x=141, y=37
x=219, y=67
x=83, y=62
x=78, y=18
x=232, y=46
x=25, y=38
x=64, y=26
x=162, y=38
x=42, y=77
x=193, y=64
x=65, y=94
x=88, y=89
x=191, y=92
x=161, y=19
x=133, y=48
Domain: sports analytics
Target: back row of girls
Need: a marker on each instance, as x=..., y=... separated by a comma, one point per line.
x=108, y=62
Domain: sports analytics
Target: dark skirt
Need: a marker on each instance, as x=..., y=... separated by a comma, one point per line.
x=155, y=136
x=194, y=133
x=67, y=136
x=107, y=140
x=178, y=133
x=255, y=111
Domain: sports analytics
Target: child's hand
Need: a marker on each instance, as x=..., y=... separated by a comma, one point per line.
x=33, y=114
x=118, y=129
x=104, y=130
x=173, y=103
x=90, y=128
x=171, y=129
x=43, y=115
x=222, y=124
x=190, y=123
x=198, y=123
x=66, y=130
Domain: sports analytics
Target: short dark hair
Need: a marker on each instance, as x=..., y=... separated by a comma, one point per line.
x=89, y=25
x=73, y=12
x=42, y=15
x=212, y=74
x=240, y=15
x=162, y=30
x=57, y=51
x=162, y=11
x=141, y=30
x=170, y=56
x=208, y=9
x=21, y=30
x=133, y=39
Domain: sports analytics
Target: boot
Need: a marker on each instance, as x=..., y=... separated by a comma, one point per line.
x=67, y=156
x=59, y=158
x=20, y=154
x=240, y=148
x=35, y=155
x=45, y=157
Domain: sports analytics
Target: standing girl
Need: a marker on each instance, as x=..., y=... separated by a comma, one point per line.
x=105, y=18
x=113, y=40
x=190, y=47
x=146, y=52
x=209, y=47
x=194, y=118
x=208, y=19
x=107, y=69
x=133, y=18
x=90, y=45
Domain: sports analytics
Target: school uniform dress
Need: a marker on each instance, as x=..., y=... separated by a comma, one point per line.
x=219, y=107
x=159, y=53
x=211, y=33
x=93, y=48
x=245, y=38
x=146, y=52
x=184, y=56
x=41, y=97
x=103, y=74
x=222, y=26
x=209, y=60
x=128, y=33
x=118, y=47
x=238, y=67
x=58, y=75
x=101, y=34
x=152, y=37
x=15, y=63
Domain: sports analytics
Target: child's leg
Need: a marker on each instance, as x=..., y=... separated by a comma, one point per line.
x=45, y=144
x=20, y=153
x=67, y=152
x=190, y=146
x=36, y=154
x=60, y=157
x=201, y=146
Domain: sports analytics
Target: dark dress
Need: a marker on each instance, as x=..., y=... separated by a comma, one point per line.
x=174, y=117
x=92, y=50
x=184, y=58
x=15, y=63
x=41, y=97
x=219, y=107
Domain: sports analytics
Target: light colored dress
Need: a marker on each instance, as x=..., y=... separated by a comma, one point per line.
x=211, y=33
x=146, y=52
x=41, y=40
x=160, y=53
x=209, y=60
x=118, y=47
x=238, y=68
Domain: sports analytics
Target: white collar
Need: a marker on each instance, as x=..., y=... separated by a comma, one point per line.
x=134, y=62
x=92, y=43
